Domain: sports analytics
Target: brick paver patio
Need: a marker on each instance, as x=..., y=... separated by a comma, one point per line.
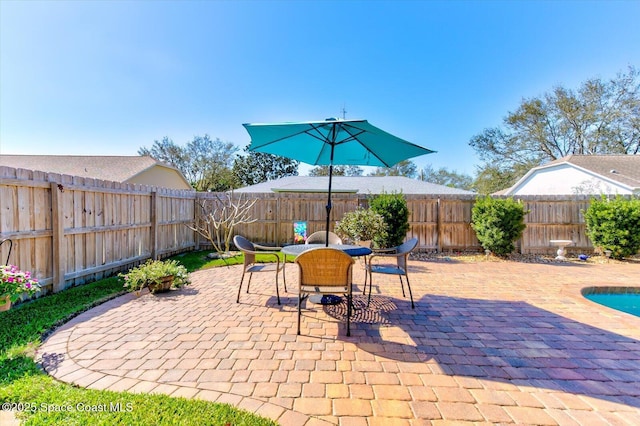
x=488, y=342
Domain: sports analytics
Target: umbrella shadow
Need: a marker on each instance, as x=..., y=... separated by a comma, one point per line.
x=506, y=341
x=568, y=264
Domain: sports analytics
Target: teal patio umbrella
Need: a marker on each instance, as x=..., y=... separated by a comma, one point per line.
x=332, y=142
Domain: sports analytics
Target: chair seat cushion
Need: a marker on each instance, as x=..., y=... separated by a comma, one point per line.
x=387, y=269
x=263, y=267
x=358, y=251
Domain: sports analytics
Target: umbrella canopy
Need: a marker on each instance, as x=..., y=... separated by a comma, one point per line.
x=331, y=142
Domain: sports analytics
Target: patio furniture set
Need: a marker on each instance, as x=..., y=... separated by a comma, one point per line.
x=326, y=268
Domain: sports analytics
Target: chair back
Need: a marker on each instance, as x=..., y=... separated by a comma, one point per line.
x=10, y=247
x=320, y=237
x=325, y=266
x=405, y=248
x=246, y=247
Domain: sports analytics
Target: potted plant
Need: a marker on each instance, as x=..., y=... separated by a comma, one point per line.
x=158, y=275
x=13, y=284
x=361, y=226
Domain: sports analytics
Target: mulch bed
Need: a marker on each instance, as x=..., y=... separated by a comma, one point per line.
x=474, y=257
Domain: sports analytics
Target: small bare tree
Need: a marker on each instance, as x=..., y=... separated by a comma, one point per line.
x=219, y=216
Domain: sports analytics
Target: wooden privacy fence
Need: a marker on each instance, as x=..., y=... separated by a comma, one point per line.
x=444, y=223
x=68, y=230
x=275, y=214
x=441, y=223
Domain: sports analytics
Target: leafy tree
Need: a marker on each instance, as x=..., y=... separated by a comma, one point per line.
x=220, y=179
x=600, y=117
x=393, y=208
x=614, y=225
x=443, y=176
x=167, y=152
x=337, y=171
x=491, y=178
x=498, y=223
x=206, y=163
x=257, y=167
x=403, y=168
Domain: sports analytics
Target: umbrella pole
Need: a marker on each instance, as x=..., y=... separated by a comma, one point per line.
x=329, y=205
x=333, y=145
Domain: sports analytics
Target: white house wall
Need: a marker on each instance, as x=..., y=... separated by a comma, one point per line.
x=564, y=179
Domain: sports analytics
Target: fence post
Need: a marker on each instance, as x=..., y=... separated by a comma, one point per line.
x=196, y=235
x=154, y=225
x=439, y=226
x=278, y=220
x=58, y=252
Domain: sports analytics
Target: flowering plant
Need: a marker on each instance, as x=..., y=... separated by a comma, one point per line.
x=14, y=283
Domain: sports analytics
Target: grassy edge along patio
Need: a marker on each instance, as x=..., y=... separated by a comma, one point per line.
x=36, y=397
x=566, y=361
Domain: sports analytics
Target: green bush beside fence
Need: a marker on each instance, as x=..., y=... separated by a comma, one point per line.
x=614, y=225
x=498, y=223
x=393, y=208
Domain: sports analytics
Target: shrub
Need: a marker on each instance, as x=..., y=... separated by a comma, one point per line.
x=393, y=208
x=498, y=223
x=153, y=272
x=361, y=225
x=614, y=225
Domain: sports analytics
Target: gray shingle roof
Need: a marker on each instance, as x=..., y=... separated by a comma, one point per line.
x=111, y=168
x=356, y=184
x=621, y=168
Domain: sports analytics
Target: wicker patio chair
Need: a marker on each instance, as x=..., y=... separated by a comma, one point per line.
x=400, y=254
x=320, y=237
x=325, y=271
x=250, y=250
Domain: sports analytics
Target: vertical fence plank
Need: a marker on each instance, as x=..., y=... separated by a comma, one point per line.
x=59, y=260
x=41, y=224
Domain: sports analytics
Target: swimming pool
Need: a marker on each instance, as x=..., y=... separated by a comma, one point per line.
x=625, y=299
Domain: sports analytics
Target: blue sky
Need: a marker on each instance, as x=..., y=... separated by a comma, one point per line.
x=108, y=77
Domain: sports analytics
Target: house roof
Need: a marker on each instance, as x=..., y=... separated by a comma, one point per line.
x=624, y=169
x=621, y=168
x=111, y=168
x=352, y=184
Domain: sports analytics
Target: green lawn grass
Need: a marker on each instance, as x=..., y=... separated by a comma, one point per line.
x=22, y=381
x=196, y=260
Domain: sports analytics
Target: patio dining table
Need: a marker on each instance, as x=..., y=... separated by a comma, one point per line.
x=351, y=250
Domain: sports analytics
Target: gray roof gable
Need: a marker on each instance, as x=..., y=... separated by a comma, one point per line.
x=624, y=169
x=110, y=168
x=355, y=184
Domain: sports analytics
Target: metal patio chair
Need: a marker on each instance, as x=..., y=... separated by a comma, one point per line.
x=250, y=250
x=325, y=270
x=398, y=257
x=320, y=237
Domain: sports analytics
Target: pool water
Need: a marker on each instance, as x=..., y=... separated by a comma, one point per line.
x=625, y=302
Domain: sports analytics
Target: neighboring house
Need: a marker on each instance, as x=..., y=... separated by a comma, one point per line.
x=581, y=174
x=353, y=184
x=141, y=170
